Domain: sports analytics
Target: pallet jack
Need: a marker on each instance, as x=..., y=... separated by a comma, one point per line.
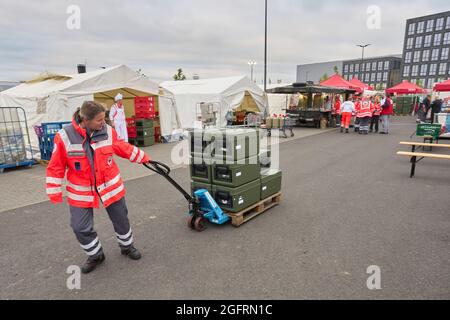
x=202, y=206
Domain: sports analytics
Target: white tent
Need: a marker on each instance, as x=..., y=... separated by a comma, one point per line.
x=55, y=98
x=278, y=102
x=224, y=93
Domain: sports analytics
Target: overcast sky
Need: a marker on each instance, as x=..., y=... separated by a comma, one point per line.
x=212, y=38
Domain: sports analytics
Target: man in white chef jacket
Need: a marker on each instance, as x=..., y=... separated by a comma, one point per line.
x=117, y=117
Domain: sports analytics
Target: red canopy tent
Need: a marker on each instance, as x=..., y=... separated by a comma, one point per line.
x=339, y=82
x=406, y=87
x=359, y=83
x=443, y=86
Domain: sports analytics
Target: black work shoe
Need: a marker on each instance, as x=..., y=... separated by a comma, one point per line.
x=91, y=264
x=132, y=253
x=346, y=131
x=342, y=129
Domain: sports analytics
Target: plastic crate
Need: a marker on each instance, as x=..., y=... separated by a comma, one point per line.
x=131, y=122
x=132, y=133
x=145, y=115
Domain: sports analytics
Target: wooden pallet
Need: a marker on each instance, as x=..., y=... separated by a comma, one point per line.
x=237, y=219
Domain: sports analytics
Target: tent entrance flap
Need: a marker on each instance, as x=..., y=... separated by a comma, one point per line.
x=247, y=103
x=106, y=98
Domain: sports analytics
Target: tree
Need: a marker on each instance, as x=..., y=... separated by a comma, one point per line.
x=336, y=69
x=324, y=77
x=179, y=75
x=419, y=83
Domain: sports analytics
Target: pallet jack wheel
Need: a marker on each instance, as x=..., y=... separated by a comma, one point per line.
x=190, y=222
x=199, y=224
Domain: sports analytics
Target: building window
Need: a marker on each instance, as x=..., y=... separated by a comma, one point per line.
x=439, y=24
x=408, y=57
x=367, y=77
x=427, y=42
x=426, y=55
x=447, y=38
x=442, y=69
x=430, y=83
x=423, y=69
x=433, y=68
x=374, y=66
x=372, y=77
x=449, y=68
x=386, y=65
x=379, y=76
x=416, y=56
x=346, y=68
x=406, y=71
x=437, y=39
x=368, y=66
x=362, y=67
x=447, y=25
x=444, y=53
x=421, y=27
x=385, y=76
x=415, y=71
x=351, y=68
x=430, y=25
x=409, y=43
x=380, y=65
x=435, y=55
x=423, y=82
x=411, y=28
x=419, y=42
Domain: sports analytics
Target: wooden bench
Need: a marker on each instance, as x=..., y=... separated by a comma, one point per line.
x=418, y=156
x=414, y=145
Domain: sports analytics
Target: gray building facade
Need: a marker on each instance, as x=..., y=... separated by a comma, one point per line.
x=426, y=50
x=315, y=71
x=378, y=72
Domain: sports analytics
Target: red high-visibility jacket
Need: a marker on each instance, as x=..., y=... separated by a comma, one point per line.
x=376, y=109
x=365, y=109
x=85, y=188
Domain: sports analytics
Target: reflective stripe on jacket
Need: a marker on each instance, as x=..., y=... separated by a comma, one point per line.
x=85, y=188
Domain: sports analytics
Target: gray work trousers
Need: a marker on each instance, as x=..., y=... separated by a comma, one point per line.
x=82, y=223
x=385, y=125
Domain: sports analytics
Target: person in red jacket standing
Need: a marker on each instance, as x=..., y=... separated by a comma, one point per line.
x=85, y=149
x=376, y=115
x=337, y=111
x=364, y=114
x=386, y=112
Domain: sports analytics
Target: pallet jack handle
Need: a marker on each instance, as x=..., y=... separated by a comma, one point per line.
x=164, y=170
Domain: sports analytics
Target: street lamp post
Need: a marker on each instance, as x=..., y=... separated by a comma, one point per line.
x=252, y=64
x=363, y=46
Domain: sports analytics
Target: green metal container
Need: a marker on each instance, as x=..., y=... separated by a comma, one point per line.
x=237, y=144
x=145, y=132
x=202, y=141
x=144, y=123
x=236, y=174
x=270, y=182
x=145, y=142
x=237, y=199
x=201, y=169
x=195, y=185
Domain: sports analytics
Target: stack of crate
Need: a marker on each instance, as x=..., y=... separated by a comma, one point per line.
x=227, y=164
x=144, y=107
x=131, y=129
x=145, y=133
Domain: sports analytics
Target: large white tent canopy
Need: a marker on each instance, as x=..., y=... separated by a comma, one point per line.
x=226, y=93
x=56, y=98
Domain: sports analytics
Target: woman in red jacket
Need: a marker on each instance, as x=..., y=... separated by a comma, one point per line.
x=386, y=112
x=85, y=150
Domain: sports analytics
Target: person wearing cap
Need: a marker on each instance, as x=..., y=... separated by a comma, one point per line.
x=118, y=119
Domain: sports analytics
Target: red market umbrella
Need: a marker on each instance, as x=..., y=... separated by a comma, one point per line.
x=339, y=82
x=359, y=83
x=443, y=86
x=406, y=87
